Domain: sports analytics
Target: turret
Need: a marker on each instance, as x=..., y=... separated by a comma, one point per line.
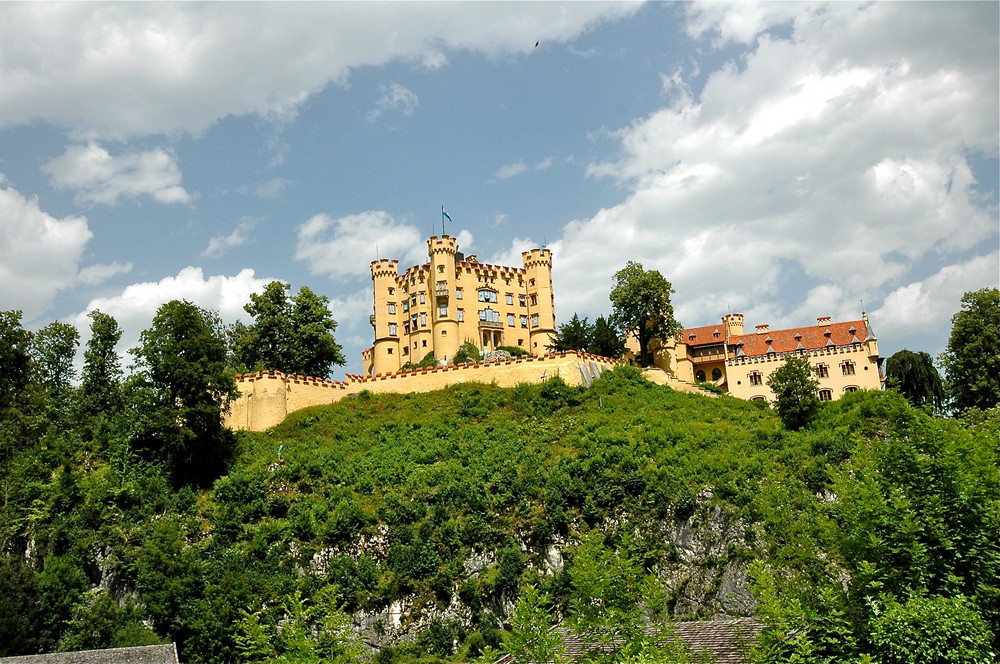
x=386, y=352
x=441, y=289
x=734, y=325
x=541, y=303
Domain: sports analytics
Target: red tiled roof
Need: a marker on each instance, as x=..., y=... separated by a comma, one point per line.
x=704, y=335
x=812, y=337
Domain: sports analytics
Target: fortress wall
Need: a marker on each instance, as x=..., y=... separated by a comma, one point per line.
x=266, y=398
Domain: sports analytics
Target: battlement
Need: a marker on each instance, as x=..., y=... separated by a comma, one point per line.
x=385, y=267
x=535, y=257
x=442, y=245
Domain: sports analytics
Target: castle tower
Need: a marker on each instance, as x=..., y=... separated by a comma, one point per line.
x=385, y=317
x=541, y=301
x=441, y=289
x=734, y=325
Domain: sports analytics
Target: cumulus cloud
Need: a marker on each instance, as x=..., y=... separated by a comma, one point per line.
x=99, y=177
x=220, y=244
x=819, y=170
x=343, y=248
x=270, y=189
x=135, y=306
x=518, y=167
x=39, y=253
x=395, y=98
x=116, y=70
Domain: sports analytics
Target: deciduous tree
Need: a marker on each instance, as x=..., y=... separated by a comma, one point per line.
x=795, y=392
x=913, y=375
x=15, y=359
x=641, y=307
x=102, y=373
x=972, y=358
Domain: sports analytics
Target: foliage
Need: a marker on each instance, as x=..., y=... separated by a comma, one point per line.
x=181, y=391
x=515, y=351
x=102, y=374
x=15, y=359
x=930, y=630
x=53, y=349
x=913, y=375
x=291, y=334
x=972, y=357
x=427, y=362
x=795, y=392
x=641, y=306
x=467, y=352
x=531, y=637
x=597, y=338
x=605, y=339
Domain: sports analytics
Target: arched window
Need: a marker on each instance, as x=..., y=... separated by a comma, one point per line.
x=699, y=375
x=716, y=373
x=487, y=295
x=825, y=395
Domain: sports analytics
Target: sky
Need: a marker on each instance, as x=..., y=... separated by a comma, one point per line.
x=782, y=160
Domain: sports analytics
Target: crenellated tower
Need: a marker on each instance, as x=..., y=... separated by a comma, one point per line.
x=541, y=299
x=442, y=281
x=385, y=316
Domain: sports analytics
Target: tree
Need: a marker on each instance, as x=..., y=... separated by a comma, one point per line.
x=928, y=630
x=183, y=389
x=605, y=339
x=641, y=307
x=53, y=349
x=795, y=391
x=913, y=375
x=577, y=334
x=15, y=359
x=531, y=637
x=292, y=334
x=972, y=357
x=102, y=374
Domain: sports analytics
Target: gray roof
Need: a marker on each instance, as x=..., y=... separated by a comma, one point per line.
x=140, y=655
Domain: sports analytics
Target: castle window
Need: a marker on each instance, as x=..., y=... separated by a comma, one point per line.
x=392, y=329
x=487, y=295
x=388, y=351
x=510, y=299
x=531, y=282
x=392, y=291
x=822, y=371
x=423, y=320
x=423, y=297
x=413, y=300
x=424, y=343
x=440, y=268
x=825, y=395
x=534, y=320
x=442, y=310
x=699, y=376
x=757, y=399
x=847, y=367
x=716, y=373
x=534, y=300
x=489, y=315
x=413, y=320
x=406, y=305
x=406, y=350
x=510, y=320
x=520, y=342
x=521, y=300
x=461, y=315
x=406, y=328
x=524, y=321
x=458, y=293
x=756, y=378
x=392, y=307
x=851, y=388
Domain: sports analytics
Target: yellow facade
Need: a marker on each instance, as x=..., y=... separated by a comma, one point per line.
x=844, y=356
x=437, y=306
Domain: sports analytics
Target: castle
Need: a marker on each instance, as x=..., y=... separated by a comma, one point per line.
x=844, y=356
x=453, y=298
x=435, y=307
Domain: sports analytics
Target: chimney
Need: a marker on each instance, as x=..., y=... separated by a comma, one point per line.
x=822, y=321
x=764, y=328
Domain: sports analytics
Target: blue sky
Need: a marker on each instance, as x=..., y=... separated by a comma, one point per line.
x=785, y=160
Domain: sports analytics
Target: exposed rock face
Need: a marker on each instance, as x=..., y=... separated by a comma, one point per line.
x=705, y=574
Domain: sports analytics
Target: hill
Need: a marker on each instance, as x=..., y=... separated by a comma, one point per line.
x=419, y=520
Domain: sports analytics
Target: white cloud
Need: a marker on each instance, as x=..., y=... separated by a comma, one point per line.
x=99, y=177
x=926, y=307
x=220, y=244
x=270, y=189
x=39, y=254
x=94, y=275
x=819, y=170
x=344, y=248
x=396, y=98
x=510, y=170
x=121, y=69
x=136, y=305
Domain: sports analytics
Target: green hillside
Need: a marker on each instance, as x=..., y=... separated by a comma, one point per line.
x=425, y=517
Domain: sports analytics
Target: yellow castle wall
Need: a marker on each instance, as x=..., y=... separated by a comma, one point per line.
x=267, y=398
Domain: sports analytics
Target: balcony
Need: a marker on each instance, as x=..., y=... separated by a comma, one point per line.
x=441, y=292
x=490, y=324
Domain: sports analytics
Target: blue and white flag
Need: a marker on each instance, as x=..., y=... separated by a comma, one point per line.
x=444, y=213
